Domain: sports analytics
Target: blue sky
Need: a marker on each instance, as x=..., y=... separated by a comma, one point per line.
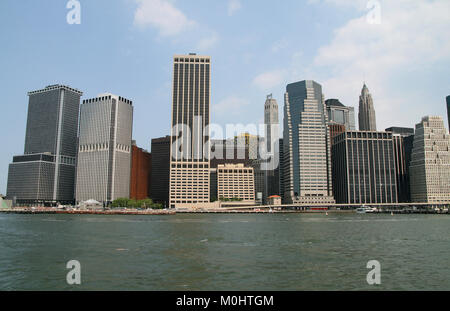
x=257, y=47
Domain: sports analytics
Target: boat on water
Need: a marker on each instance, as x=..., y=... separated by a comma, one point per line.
x=364, y=209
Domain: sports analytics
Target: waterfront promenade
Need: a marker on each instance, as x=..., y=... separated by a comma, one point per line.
x=242, y=210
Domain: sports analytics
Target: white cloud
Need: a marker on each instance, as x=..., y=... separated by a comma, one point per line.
x=208, y=42
x=267, y=80
x=413, y=36
x=233, y=6
x=231, y=105
x=162, y=15
x=360, y=4
x=280, y=45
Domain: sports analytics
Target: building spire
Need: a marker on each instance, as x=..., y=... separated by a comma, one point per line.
x=366, y=114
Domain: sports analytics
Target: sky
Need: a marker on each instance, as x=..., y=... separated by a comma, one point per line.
x=400, y=49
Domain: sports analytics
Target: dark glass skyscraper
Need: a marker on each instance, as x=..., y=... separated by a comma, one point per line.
x=46, y=171
x=307, y=164
x=159, y=185
x=448, y=112
x=402, y=138
x=364, y=168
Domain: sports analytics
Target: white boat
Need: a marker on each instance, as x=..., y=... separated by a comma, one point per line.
x=361, y=210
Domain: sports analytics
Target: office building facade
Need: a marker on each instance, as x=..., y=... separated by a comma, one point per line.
x=160, y=174
x=189, y=165
x=235, y=181
x=141, y=168
x=430, y=162
x=364, y=168
x=366, y=114
x=402, y=139
x=307, y=163
x=46, y=172
x=340, y=114
x=104, y=152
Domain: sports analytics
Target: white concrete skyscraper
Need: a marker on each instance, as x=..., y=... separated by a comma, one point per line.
x=366, y=115
x=307, y=162
x=271, y=123
x=430, y=162
x=104, y=152
x=189, y=164
x=271, y=128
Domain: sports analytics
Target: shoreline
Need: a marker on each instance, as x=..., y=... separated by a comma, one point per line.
x=50, y=211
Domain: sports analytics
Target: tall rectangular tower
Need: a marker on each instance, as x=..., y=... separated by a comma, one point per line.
x=271, y=168
x=448, y=112
x=104, y=155
x=189, y=164
x=430, y=162
x=307, y=162
x=159, y=185
x=46, y=171
x=402, y=138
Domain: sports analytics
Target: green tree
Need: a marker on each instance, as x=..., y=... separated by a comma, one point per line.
x=120, y=202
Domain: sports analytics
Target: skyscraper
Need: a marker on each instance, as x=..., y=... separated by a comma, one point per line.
x=159, y=191
x=189, y=164
x=448, y=111
x=281, y=168
x=366, y=114
x=307, y=165
x=271, y=169
x=104, y=154
x=271, y=123
x=141, y=170
x=364, y=168
x=340, y=114
x=430, y=162
x=402, y=138
x=46, y=171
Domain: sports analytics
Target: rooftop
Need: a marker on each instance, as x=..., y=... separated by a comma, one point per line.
x=55, y=87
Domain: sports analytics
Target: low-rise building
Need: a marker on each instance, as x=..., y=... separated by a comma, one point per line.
x=235, y=182
x=274, y=200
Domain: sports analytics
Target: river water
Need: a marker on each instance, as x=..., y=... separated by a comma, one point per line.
x=225, y=251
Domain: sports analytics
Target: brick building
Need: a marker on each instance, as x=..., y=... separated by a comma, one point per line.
x=141, y=168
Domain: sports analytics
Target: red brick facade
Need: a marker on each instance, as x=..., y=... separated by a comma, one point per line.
x=141, y=169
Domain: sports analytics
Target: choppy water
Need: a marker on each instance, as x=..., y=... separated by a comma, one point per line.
x=225, y=251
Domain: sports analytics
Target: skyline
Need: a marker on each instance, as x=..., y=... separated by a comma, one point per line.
x=134, y=59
